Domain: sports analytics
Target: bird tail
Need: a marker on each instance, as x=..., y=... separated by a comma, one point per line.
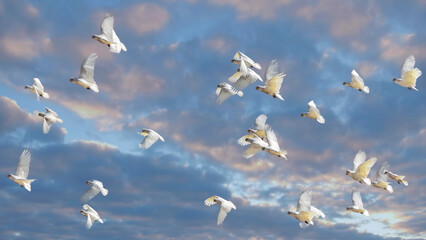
x=95, y=88
x=46, y=95
x=366, y=213
x=60, y=120
x=321, y=120
x=279, y=96
x=389, y=188
x=367, y=181
x=104, y=191
x=100, y=220
x=240, y=93
x=257, y=66
x=403, y=181
x=27, y=184
x=366, y=89
x=123, y=47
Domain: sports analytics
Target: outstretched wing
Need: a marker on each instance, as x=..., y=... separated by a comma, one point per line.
x=380, y=175
x=24, y=164
x=148, y=141
x=272, y=70
x=89, y=194
x=38, y=85
x=87, y=69
x=304, y=202
x=357, y=200
x=364, y=169
x=359, y=159
x=274, y=84
x=272, y=140
x=107, y=27
x=357, y=81
x=221, y=216
x=260, y=122
x=408, y=65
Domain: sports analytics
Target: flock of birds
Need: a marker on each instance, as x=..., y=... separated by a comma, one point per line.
x=261, y=138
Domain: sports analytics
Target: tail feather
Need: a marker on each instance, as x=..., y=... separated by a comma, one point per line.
x=123, y=47
x=240, y=93
x=389, y=188
x=321, y=120
x=104, y=191
x=279, y=96
x=366, y=89
x=367, y=181
x=27, y=184
x=257, y=66
x=366, y=213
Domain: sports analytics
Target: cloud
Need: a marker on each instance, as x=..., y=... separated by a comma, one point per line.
x=23, y=47
x=397, y=47
x=253, y=8
x=146, y=18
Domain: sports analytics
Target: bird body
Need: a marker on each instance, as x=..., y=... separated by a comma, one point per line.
x=396, y=177
x=151, y=137
x=273, y=80
x=313, y=113
x=109, y=37
x=409, y=74
x=305, y=212
x=361, y=168
x=242, y=81
x=49, y=117
x=96, y=186
x=224, y=91
x=357, y=204
x=38, y=89
x=87, y=71
x=91, y=214
x=22, y=170
x=225, y=207
x=357, y=82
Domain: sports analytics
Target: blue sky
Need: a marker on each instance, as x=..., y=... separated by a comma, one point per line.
x=178, y=51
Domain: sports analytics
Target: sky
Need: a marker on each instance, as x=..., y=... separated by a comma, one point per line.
x=178, y=51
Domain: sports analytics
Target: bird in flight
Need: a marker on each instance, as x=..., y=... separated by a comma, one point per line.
x=273, y=81
x=95, y=187
x=224, y=91
x=313, y=113
x=409, y=74
x=38, y=89
x=361, y=168
x=357, y=205
x=225, y=207
x=87, y=71
x=108, y=36
x=49, y=117
x=91, y=214
x=151, y=137
x=381, y=179
x=21, y=175
x=357, y=82
x=305, y=212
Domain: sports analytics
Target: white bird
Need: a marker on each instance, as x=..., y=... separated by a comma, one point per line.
x=409, y=74
x=151, y=137
x=49, y=118
x=273, y=146
x=259, y=130
x=108, y=36
x=273, y=80
x=225, y=207
x=361, y=168
x=305, y=212
x=21, y=175
x=381, y=179
x=256, y=145
x=38, y=89
x=357, y=82
x=244, y=62
x=224, y=91
x=313, y=113
x=242, y=81
x=357, y=206
x=396, y=177
x=87, y=71
x=95, y=187
x=91, y=215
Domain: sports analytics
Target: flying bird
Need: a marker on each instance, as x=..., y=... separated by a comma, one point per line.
x=151, y=137
x=224, y=91
x=313, y=113
x=273, y=146
x=409, y=74
x=273, y=80
x=357, y=82
x=244, y=62
x=87, y=71
x=38, y=89
x=305, y=212
x=357, y=205
x=361, y=168
x=91, y=215
x=108, y=36
x=21, y=175
x=242, y=81
x=381, y=179
x=396, y=177
x=256, y=145
x=95, y=187
x=259, y=130
x=49, y=118
x=225, y=207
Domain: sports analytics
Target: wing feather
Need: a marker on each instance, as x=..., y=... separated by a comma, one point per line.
x=304, y=202
x=87, y=68
x=24, y=164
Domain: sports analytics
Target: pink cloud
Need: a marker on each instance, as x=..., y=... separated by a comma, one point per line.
x=145, y=18
x=21, y=46
x=254, y=8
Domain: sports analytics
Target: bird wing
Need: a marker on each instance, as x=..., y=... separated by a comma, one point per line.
x=317, y=213
x=359, y=159
x=272, y=140
x=117, y=45
x=272, y=70
x=38, y=85
x=89, y=194
x=380, y=175
x=357, y=200
x=408, y=65
x=313, y=110
x=150, y=139
x=251, y=150
x=24, y=164
x=223, y=95
x=411, y=76
x=87, y=69
x=274, y=84
x=304, y=202
x=107, y=27
x=51, y=112
x=46, y=125
x=260, y=122
x=245, y=81
x=357, y=81
x=243, y=67
x=221, y=216
x=364, y=169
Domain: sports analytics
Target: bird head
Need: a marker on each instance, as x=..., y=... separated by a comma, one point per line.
x=72, y=79
x=394, y=79
x=9, y=176
x=88, y=182
x=347, y=172
x=257, y=88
